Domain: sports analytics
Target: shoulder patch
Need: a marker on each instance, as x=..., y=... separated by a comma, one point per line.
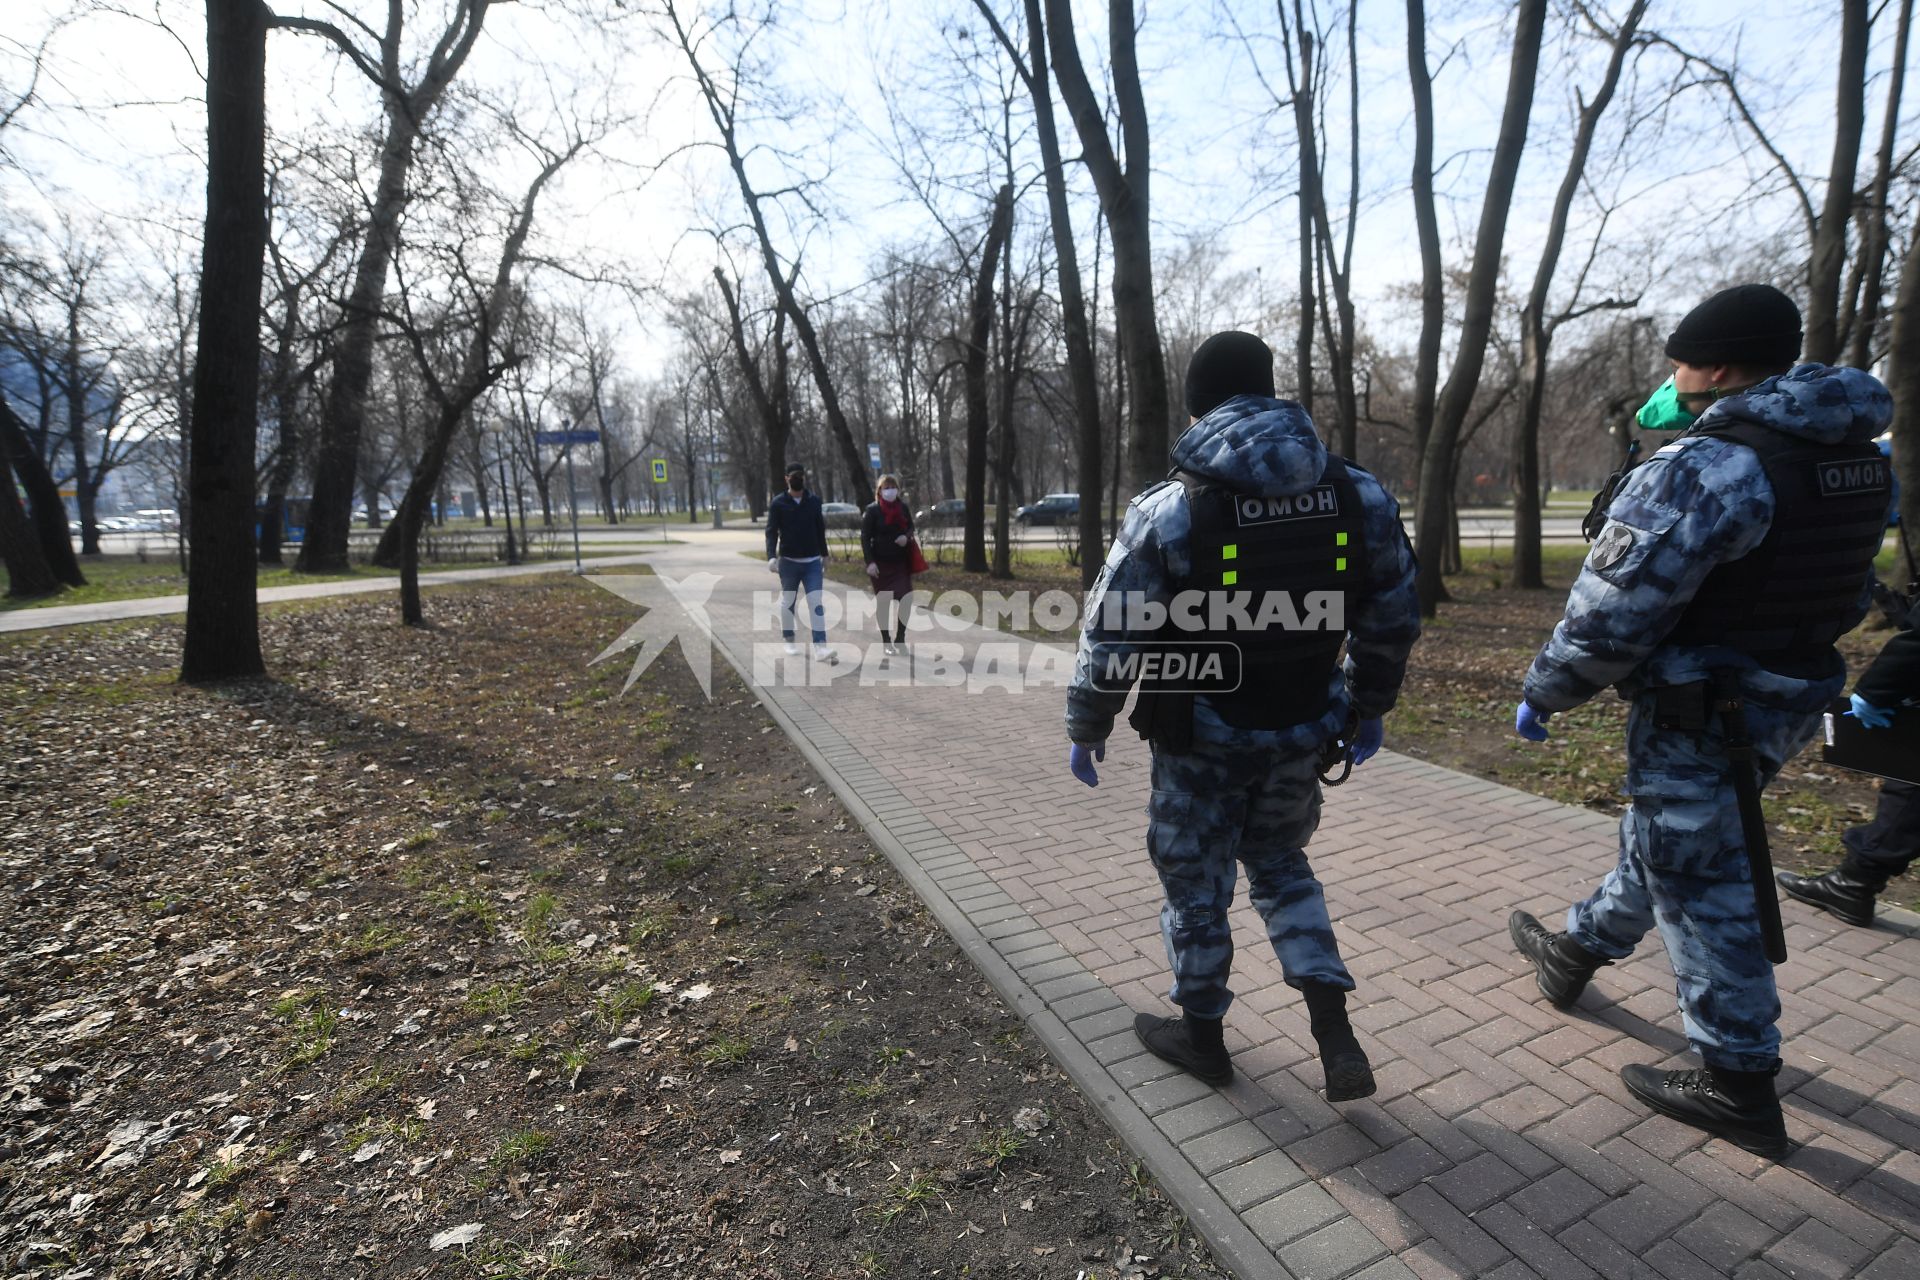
x=1611, y=546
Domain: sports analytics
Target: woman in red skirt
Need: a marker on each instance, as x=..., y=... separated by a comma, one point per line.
x=886, y=536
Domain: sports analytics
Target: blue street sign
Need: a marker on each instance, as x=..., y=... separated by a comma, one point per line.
x=873, y=455
x=566, y=437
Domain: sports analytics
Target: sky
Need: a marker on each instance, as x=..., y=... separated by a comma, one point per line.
x=118, y=137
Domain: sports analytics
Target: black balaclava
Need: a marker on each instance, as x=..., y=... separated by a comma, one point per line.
x=1227, y=365
x=1754, y=326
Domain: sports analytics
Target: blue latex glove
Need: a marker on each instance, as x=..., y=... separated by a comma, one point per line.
x=1870, y=716
x=1367, y=741
x=1530, y=724
x=1081, y=759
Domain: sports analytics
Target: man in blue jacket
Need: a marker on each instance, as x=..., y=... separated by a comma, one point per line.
x=1729, y=563
x=1265, y=548
x=797, y=551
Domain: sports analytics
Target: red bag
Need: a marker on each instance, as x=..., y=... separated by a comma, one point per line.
x=916, y=563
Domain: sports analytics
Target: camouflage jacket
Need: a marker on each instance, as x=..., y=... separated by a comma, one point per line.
x=1266, y=447
x=1697, y=503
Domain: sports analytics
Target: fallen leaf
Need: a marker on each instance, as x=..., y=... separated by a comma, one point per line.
x=466, y=1233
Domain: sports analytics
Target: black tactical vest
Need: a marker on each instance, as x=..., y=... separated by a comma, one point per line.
x=1310, y=548
x=1785, y=602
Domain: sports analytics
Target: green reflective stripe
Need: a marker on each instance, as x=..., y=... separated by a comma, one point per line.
x=1230, y=552
x=1339, y=539
x=1340, y=564
x=1228, y=578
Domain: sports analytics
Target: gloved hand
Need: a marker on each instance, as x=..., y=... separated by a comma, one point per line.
x=1367, y=741
x=1531, y=724
x=773, y=564
x=1081, y=759
x=1868, y=715
x=873, y=570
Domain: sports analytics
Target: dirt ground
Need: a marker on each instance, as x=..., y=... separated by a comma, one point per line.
x=435, y=956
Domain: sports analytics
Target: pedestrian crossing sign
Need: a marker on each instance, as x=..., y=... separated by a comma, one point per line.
x=659, y=470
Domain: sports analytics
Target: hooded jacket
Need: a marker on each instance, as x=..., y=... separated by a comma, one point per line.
x=1264, y=447
x=1697, y=503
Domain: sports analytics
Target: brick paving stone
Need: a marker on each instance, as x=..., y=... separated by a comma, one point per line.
x=1429, y=1260
x=1600, y=1251
x=1452, y=1229
x=1292, y=1214
x=1258, y=1180
x=1552, y=1202
x=1901, y=1262
x=1373, y=1209
x=1478, y=1183
x=1387, y=1269
x=1404, y=1166
x=1725, y=1235
x=1675, y=1262
x=1332, y=1251
x=1197, y=1118
x=1531, y=1245
x=1332, y=1149
x=1223, y=1148
x=1817, y=1251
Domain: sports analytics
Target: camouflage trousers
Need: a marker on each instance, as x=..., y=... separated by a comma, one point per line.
x=1683, y=867
x=1218, y=807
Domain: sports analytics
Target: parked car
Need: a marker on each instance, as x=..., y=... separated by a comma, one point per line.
x=1053, y=509
x=841, y=515
x=952, y=511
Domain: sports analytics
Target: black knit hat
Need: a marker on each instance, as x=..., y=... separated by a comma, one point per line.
x=1753, y=325
x=1227, y=365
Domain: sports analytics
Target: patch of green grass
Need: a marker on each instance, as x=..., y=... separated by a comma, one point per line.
x=890, y=1053
x=469, y=906
x=527, y=1148
x=527, y=1050
x=905, y=1197
x=375, y=1080
x=497, y=999
x=868, y=1090
x=1001, y=1145
x=725, y=1051
x=375, y=939
x=647, y=930
x=424, y=836
x=314, y=1022
x=614, y=1007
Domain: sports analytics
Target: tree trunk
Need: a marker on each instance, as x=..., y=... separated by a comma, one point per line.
x=44, y=508
x=1537, y=335
x=1903, y=380
x=1873, y=238
x=979, y=341
x=1829, y=250
x=1308, y=202
x=1082, y=375
x=28, y=573
x=1124, y=199
x=1426, y=221
x=774, y=426
x=223, y=633
x=1433, y=528
x=85, y=486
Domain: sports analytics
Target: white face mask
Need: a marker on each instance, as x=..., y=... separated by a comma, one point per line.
x=890, y=495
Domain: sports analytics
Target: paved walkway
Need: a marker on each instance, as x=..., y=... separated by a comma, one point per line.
x=1501, y=1142
x=70, y=615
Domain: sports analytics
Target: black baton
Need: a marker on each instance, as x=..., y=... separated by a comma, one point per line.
x=1753, y=823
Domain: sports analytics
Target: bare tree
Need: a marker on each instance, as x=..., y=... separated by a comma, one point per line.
x=1433, y=511
x=723, y=105
x=1122, y=180
x=979, y=336
x=1426, y=220
x=407, y=104
x=1829, y=250
x=480, y=367
x=1861, y=320
x=1076, y=332
x=1537, y=327
x=223, y=631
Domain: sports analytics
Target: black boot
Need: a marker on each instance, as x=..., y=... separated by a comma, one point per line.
x=1192, y=1044
x=1739, y=1106
x=1349, y=1074
x=1562, y=965
x=1840, y=892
